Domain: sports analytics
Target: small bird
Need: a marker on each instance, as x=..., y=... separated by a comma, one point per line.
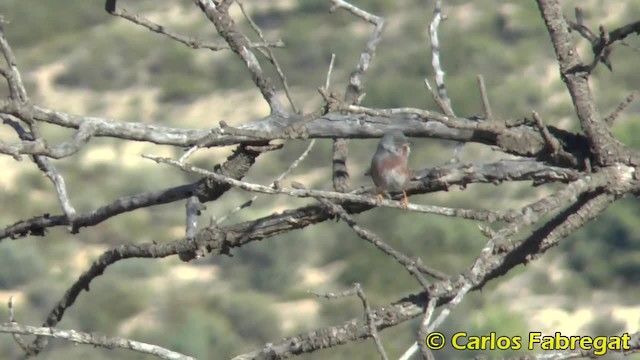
x=389, y=166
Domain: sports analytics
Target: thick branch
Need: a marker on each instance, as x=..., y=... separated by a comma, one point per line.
x=575, y=74
x=522, y=140
x=219, y=16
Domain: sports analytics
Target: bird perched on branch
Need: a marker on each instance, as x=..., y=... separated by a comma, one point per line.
x=389, y=166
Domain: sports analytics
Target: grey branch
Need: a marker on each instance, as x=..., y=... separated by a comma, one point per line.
x=383, y=246
x=472, y=214
x=39, y=146
x=94, y=339
x=17, y=91
x=275, y=182
x=428, y=180
x=219, y=16
x=368, y=316
x=192, y=43
x=491, y=265
x=45, y=165
x=360, y=122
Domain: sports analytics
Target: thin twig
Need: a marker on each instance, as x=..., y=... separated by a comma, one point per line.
x=369, y=318
x=188, y=153
x=34, y=145
x=354, y=90
x=440, y=96
x=226, y=27
x=193, y=43
x=427, y=354
x=371, y=321
x=486, y=105
x=435, y=60
x=478, y=215
x=426, y=319
x=269, y=55
x=283, y=175
x=17, y=91
x=327, y=82
x=12, y=319
x=372, y=238
x=96, y=340
x=611, y=118
x=546, y=135
x=47, y=167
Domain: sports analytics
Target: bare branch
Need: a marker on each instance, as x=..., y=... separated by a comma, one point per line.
x=605, y=148
x=275, y=182
x=190, y=42
x=354, y=91
x=491, y=265
x=37, y=146
x=611, y=118
x=480, y=214
x=206, y=190
x=219, y=16
x=368, y=316
x=522, y=140
x=430, y=180
x=602, y=45
x=486, y=105
x=94, y=339
x=546, y=135
x=17, y=91
x=327, y=83
x=270, y=56
x=12, y=319
x=445, y=101
x=372, y=238
x=45, y=165
x=149, y=250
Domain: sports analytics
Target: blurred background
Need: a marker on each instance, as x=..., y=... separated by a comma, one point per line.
x=76, y=58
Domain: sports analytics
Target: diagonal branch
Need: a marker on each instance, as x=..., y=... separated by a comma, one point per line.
x=602, y=45
x=269, y=55
x=489, y=264
x=473, y=214
x=493, y=266
x=93, y=339
x=383, y=246
x=38, y=147
x=17, y=91
x=428, y=180
x=190, y=42
x=368, y=317
x=236, y=166
x=219, y=16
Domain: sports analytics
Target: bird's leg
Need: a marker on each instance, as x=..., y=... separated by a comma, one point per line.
x=380, y=194
x=405, y=200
